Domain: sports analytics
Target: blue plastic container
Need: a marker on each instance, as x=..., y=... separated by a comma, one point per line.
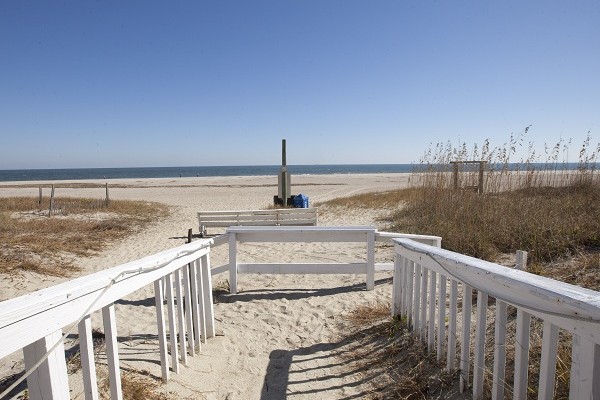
x=301, y=201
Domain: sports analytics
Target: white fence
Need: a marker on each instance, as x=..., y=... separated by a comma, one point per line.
x=35, y=322
x=422, y=274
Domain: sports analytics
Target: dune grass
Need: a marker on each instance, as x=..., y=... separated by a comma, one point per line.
x=32, y=241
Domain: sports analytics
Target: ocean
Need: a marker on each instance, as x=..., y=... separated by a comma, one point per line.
x=173, y=172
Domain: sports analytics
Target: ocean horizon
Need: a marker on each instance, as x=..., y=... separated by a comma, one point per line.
x=194, y=171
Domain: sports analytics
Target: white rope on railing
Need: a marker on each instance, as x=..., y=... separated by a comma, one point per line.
x=112, y=281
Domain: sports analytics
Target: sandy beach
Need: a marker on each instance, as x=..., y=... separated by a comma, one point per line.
x=280, y=336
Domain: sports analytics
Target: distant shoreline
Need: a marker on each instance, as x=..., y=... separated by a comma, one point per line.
x=26, y=175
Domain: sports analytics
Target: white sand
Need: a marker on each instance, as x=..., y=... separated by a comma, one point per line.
x=278, y=338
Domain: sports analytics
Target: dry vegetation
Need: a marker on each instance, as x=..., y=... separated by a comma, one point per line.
x=545, y=209
x=32, y=241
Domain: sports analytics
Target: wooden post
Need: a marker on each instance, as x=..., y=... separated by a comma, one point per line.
x=480, y=185
x=521, y=262
x=370, y=260
x=50, y=380
x=455, y=174
x=51, y=202
x=40, y=198
x=189, y=237
x=232, y=263
x=107, y=201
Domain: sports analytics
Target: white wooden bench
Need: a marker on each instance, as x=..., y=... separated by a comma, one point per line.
x=273, y=217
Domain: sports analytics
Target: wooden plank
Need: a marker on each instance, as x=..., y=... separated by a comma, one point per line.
x=181, y=318
x=187, y=297
x=479, y=356
x=404, y=312
x=384, y=267
x=301, y=268
x=194, y=272
x=162, y=334
x=431, y=320
x=397, y=286
x=220, y=240
x=548, y=361
x=112, y=350
x=220, y=270
x=386, y=237
x=416, y=311
x=298, y=234
x=441, y=335
x=201, y=305
x=260, y=212
x=410, y=282
x=50, y=380
x=28, y=318
x=370, y=260
x=208, y=296
x=172, y=323
x=465, y=345
x=585, y=369
x=88, y=366
x=499, y=373
x=233, y=263
x=423, y=318
x=452, y=334
x=521, y=354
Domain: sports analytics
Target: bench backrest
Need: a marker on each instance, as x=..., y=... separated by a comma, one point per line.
x=274, y=217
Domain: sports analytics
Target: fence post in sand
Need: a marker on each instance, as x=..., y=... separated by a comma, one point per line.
x=232, y=263
x=40, y=198
x=521, y=262
x=51, y=202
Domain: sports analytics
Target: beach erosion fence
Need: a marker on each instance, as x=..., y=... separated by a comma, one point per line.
x=39, y=322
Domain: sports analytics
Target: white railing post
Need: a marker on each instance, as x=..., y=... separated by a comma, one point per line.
x=50, y=380
x=585, y=370
x=371, y=260
x=479, y=356
x=417, y=302
x=521, y=354
x=548, y=361
x=172, y=323
x=397, y=286
x=208, y=297
x=423, y=318
x=410, y=284
x=232, y=263
x=431, y=321
x=441, y=335
x=88, y=366
x=112, y=350
x=498, y=380
x=194, y=272
x=452, y=335
x=160, y=322
x=465, y=346
x=187, y=297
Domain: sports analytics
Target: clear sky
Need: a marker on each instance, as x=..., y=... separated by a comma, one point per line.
x=175, y=83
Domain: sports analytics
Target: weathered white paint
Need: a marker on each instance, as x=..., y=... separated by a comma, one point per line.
x=499, y=372
x=232, y=262
x=194, y=271
x=272, y=217
x=371, y=260
x=479, y=362
x=585, y=369
x=441, y=335
x=172, y=323
x=86, y=351
x=452, y=333
x=50, y=379
x=187, y=298
x=162, y=334
x=112, y=350
x=431, y=313
x=548, y=361
x=521, y=354
x=208, y=296
x=465, y=345
x=181, y=318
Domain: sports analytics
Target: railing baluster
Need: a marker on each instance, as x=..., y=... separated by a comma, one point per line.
x=201, y=294
x=194, y=266
x=232, y=263
x=172, y=323
x=112, y=348
x=411, y=287
x=465, y=347
x=50, y=380
x=441, y=335
x=499, y=351
x=208, y=297
x=417, y=307
x=397, y=286
x=452, y=335
x=521, y=354
x=404, y=283
x=159, y=295
x=187, y=297
x=479, y=359
x=370, y=260
x=423, y=320
x=88, y=366
x=585, y=370
x=181, y=317
x=432, y=295
x=548, y=361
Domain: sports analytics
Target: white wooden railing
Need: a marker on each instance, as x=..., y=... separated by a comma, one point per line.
x=39, y=322
x=311, y=234
x=422, y=274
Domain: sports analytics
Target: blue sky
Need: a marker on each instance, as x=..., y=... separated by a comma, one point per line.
x=174, y=83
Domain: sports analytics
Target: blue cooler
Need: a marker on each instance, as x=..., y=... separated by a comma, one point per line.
x=301, y=201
